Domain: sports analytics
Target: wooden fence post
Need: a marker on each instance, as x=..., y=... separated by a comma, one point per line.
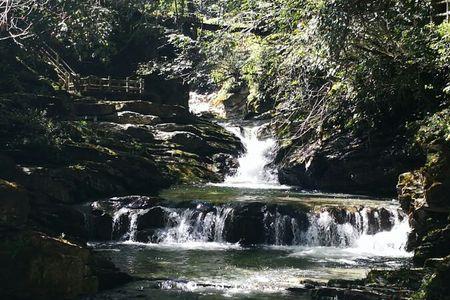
x=141, y=86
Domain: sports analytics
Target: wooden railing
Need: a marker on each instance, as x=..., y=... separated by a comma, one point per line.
x=75, y=83
x=108, y=84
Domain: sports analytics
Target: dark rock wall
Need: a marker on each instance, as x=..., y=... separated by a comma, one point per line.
x=57, y=152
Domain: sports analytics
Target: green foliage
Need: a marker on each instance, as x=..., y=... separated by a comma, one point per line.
x=24, y=127
x=371, y=65
x=435, y=130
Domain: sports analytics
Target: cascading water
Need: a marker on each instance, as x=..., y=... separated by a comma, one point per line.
x=253, y=172
x=250, y=235
x=380, y=231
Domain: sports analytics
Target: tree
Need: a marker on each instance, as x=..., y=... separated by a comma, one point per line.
x=15, y=21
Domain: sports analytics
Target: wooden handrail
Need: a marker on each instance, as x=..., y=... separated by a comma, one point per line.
x=73, y=82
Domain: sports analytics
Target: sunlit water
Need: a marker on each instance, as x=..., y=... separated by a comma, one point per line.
x=190, y=258
x=253, y=172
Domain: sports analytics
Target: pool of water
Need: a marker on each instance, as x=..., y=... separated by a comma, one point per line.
x=220, y=270
x=189, y=259
x=228, y=194
x=214, y=271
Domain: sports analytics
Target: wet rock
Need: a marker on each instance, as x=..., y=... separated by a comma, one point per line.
x=409, y=279
x=108, y=275
x=121, y=226
x=379, y=284
x=225, y=163
x=101, y=226
x=154, y=218
x=341, y=215
x=280, y=223
x=147, y=236
x=245, y=225
x=204, y=207
x=386, y=219
x=142, y=202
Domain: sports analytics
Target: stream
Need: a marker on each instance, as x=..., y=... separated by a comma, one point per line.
x=250, y=237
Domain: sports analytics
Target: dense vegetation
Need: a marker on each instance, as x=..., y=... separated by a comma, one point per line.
x=357, y=93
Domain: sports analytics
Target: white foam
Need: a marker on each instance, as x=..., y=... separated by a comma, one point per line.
x=253, y=172
x=204, y=246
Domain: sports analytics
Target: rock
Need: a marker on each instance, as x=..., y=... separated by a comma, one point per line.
x=129, y=117
x=174, y=113
x=36, y=266
x=108, y=275
x=437, y=196
x=235, y=101
x=434, y=244
x=154, y=218
x=142, y=202
x=386, y=219
x=121, y=226
x=101, y=227
x=204, y=207
x=409, y=279
x=226, y=163
x=94, y=109
x=245, y=225
x=435, y=285
x=14, y=204
x=379, y=284
x=346, y=163
x=59, y=219
x=146, y=236
x=167, y=91
x=140, y=133
x=189, y=142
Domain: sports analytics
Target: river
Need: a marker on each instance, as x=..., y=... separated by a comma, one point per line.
x=252, y=238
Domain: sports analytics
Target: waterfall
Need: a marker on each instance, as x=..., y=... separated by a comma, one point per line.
x=381, y=231
x=192, y=226
x=253, y=172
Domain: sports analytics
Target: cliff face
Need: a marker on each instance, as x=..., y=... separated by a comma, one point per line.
x=348, y=163
x=425, y=193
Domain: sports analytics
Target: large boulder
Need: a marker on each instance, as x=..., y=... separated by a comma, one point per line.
x=154, y=218
x=346, y=163
x=36, y=266
x=246, y=225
